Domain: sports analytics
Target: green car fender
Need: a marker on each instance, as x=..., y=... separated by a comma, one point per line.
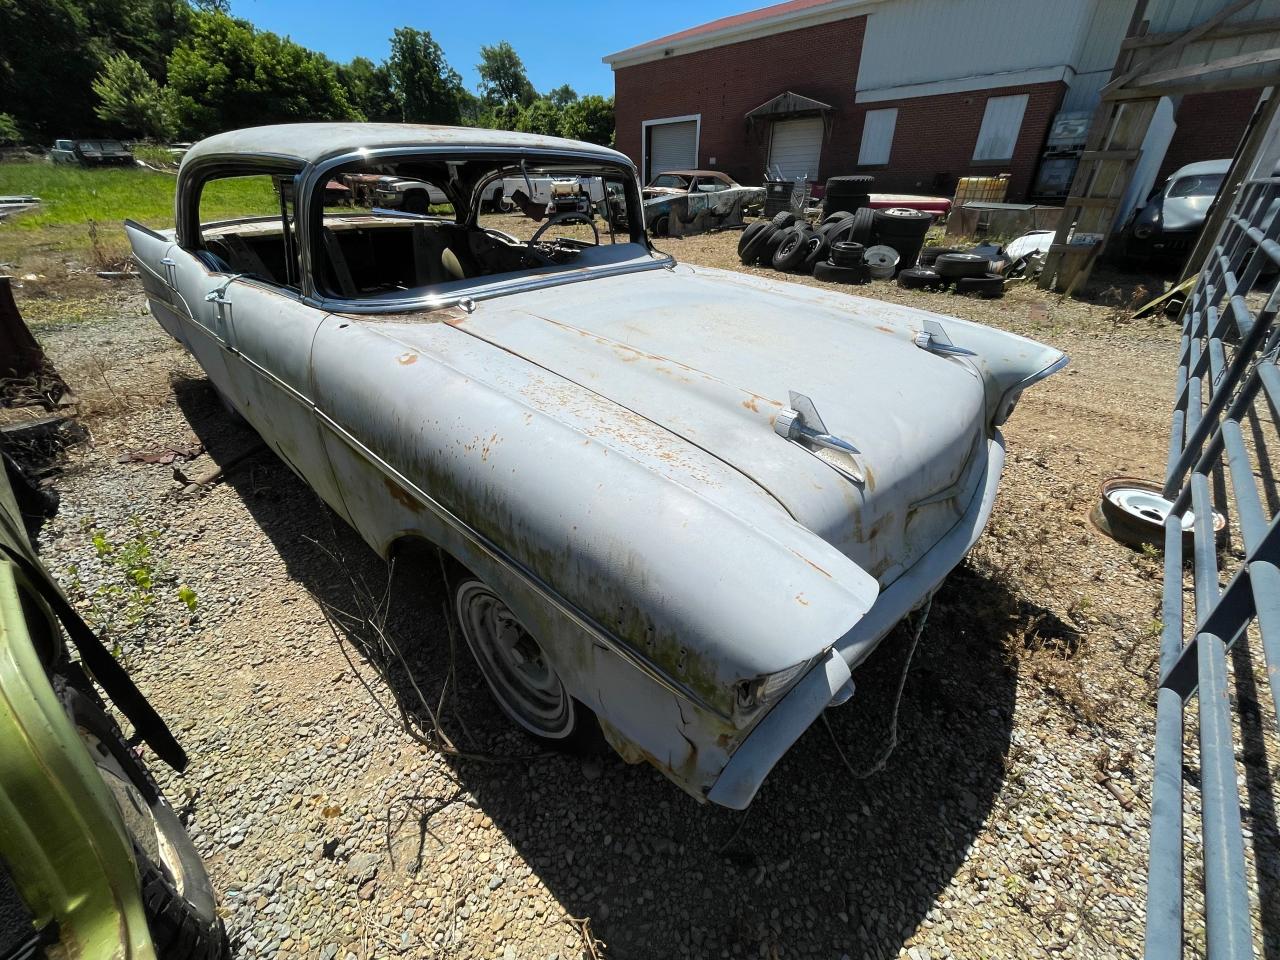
x=61, y=834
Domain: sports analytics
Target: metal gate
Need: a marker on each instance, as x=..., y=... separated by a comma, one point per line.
x=1223, y=438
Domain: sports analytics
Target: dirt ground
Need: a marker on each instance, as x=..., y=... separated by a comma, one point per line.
x=1010, y=821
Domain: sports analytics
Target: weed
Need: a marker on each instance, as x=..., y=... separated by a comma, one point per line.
x=128, y=574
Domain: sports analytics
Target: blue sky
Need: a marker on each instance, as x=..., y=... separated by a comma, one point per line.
x=559, y=43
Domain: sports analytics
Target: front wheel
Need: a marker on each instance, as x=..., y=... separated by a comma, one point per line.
x=520, y=676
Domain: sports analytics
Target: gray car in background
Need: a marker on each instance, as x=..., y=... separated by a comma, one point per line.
x=1166, y=228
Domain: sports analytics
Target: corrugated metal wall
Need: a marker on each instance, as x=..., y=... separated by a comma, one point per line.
x=922, y=41
x=927, y=41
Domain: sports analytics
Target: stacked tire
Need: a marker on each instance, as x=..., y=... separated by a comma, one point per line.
x=845, y=264
x=968, y=273
x=847, y=194
x=904, y=230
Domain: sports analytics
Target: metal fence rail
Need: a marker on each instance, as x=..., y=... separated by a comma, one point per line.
x=1227, y=380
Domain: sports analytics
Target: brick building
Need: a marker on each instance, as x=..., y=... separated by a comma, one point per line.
x=916, y=92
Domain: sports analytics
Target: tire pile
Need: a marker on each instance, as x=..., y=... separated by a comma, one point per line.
x=852, y=248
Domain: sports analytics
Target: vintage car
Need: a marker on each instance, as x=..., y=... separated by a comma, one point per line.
x=92, y=153
x=1165, y=228
x=680, y=195
x=94, y=863
x=684, y=503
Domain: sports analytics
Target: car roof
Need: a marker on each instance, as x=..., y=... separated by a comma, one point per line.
x=695, y=173
x=311, y=143
x=1204, y=166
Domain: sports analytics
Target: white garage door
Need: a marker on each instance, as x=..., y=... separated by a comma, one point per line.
x=673, y=146
x=795, y=147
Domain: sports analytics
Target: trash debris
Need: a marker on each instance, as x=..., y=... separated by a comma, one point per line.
x=162, y=455
x=193, y=485
x=1170, y=301
x=1133, y=511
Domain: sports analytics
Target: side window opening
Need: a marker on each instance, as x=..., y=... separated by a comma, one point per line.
x=247, y=227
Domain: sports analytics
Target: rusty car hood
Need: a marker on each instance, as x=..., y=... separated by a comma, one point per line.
x=711, y=356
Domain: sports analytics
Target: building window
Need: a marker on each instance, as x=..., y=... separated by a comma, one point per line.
x=877, y=137
x=1000, y=125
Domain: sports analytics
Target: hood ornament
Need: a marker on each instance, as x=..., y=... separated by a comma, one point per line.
x=803, y=426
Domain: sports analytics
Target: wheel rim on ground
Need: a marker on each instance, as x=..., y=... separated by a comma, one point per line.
x=521, y=677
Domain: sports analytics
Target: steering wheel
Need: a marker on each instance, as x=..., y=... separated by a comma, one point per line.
x=565, y=218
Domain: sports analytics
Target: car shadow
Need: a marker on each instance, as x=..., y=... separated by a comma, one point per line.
x=824, y=862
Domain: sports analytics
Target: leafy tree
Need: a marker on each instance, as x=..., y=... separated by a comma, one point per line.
x=541, y=116
x=426, y=88
x=562, y=96
x=9, y=133
x=502, y=76
x=131, y=101
x=227, y=74
x=368, y=87
x=472, y=111
x=589, y=118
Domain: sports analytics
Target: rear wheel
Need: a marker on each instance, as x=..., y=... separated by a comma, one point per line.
x=177, y=894
x=661, y=226
x=520, y=675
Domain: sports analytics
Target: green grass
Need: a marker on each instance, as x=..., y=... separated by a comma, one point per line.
x=74, y=196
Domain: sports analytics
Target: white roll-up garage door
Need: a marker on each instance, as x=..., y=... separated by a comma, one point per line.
x=795, y=147
x=673, y=146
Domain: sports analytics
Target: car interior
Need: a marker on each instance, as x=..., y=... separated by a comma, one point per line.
x=556, y=212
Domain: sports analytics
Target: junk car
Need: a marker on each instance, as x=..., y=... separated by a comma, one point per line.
x=1166, y=227
x=683, y=503
x=94, y=862
x=683, y=194
x=92, y=153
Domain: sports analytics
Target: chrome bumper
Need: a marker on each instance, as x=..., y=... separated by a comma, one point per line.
x=830, y=679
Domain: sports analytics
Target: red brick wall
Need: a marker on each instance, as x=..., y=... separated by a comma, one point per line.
x=724, y=83
x=932, y=145
x=934, y=140
x=1210, y=126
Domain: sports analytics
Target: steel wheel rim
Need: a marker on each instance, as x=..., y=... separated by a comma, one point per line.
x=1147, y=506
x=516, y=668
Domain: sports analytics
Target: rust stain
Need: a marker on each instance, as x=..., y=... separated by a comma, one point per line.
x=407, y=358
x=810, y=563
x=402, y=496
x=750, y=404
x=886, y=329
x=800, y=599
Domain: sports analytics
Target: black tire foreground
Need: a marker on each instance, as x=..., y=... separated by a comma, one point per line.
x=952, y=266
x=920, y=278
x=833, y=274
x=988, y=286
x=177, y=894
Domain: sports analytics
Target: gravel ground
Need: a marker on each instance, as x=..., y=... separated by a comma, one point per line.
x=1009, y=822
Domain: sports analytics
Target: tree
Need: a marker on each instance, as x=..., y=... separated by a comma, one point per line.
x=541, y=116
x=9, y=133
x=368, y=87
x=51, y=51
x=589, y=118
x=502, y=76
x=131, y=101
x=562, y=96
x=426, y=88
x=226, y=74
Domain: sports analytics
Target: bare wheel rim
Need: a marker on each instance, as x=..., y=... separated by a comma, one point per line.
x=521, y=677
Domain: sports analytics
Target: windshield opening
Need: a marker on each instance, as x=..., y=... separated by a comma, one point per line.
x=408, y=227
x=1197, y=185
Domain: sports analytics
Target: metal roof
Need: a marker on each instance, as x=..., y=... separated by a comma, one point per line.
x=313, y=142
